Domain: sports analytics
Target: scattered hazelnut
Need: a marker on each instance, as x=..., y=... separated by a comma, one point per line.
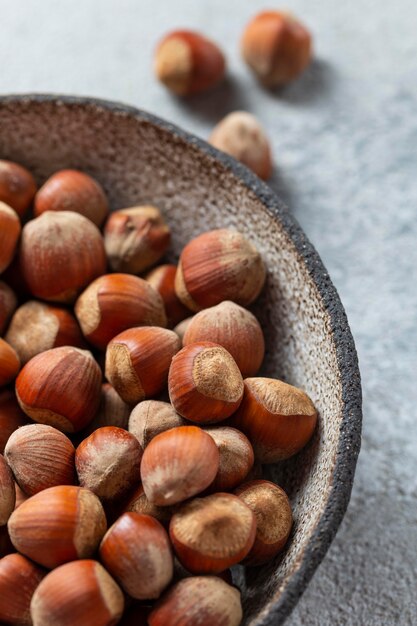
x=10, y=229
x=108, y=462
x=8, y=304
x=60, y=387
x=213, y=533
x=241, y=135
x=162, y=279
x=139, y=503
x=236, y=457
x=135, y=238
x=19, y=578
x=138, y=360
x=116, y=302
x=40, y=457
x=219, y=265
x=11, y=416
x=202, y=600
x=80, y=593
x=188, y=63
x=58, y=525
x=278, y=418
x=17, y=186
x=234, y=328
x=37, y=327
x=7, y=492
x=9, y=363
x=111, y=412
x=60, y=253
x=276, y=47
x=272, y=510
x=181, y=328
x=152, y=417
x=136, y=551
x=71, y=190
x=205, y=384
x=178, y=464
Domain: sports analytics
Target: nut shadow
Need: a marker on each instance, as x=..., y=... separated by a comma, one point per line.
x=314, y=85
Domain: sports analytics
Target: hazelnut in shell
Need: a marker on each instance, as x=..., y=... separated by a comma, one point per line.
x=17, y=186
x=9, y=363
x=8, y=304
x=19, y=578
x=151, y=417
x=236, y=457
x=7, y=492
x=10, y=230
x=139, y=503
x=111, y=412
x=162, y=279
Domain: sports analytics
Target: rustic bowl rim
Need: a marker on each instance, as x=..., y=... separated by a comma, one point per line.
x=280, y=606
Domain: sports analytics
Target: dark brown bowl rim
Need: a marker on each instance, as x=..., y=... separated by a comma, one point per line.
x=350, y=432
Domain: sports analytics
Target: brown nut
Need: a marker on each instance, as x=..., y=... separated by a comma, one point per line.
x=8, y=304
x=213, y=533
x=219, y=265
x=58, y=525
x=178, y=464
x=234, y=328
x=108, y=462
x=241, y=135
x=139, y=503
x=138, y=360
x=162, y=279
x=60, y=387
x=80, y=593
x=152, y=417
x=181, y=328
x=236, y=457
x=188, y=63
x=279, y=419
x=71, y=190
x=37, y=327
x=202, y=600
x=10, y=230
x=114, y=303
x=11, y=416
x=135, y=238
x=40, y=457
x=9, y=363
x=7, y=492
x=19, y=578
x=60, y=253
x=204, y=383
x=136, y=551
x=17, y=186
x=111, y=412
x=277, y=47
x=272, y=510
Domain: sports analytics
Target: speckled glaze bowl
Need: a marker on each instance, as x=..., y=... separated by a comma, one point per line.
x=140, y=158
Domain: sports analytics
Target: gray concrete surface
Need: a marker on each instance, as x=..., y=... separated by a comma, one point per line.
x=345, y=142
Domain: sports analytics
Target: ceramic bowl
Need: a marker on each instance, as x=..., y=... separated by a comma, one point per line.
x=140, y=158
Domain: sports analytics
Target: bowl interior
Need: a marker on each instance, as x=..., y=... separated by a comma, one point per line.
x=139, y=161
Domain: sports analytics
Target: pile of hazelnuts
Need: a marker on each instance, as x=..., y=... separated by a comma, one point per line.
x=129, y=501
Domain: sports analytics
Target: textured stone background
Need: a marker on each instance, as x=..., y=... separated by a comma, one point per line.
x=345, y=142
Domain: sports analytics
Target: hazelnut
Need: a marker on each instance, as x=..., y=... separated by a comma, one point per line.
x=19, y=578
x=162, y=279
x=37, y=327
x=108, y=462
x=181, y=328
x=272, y=510
x=60, y=253
x=136, y=551
x=213, y=533
x=187, y=63
x=11, y=416
x=58, y=525
x=151, y=417
x=202, y=600
x=80, y=593
x=71, y=190
x=205, y=384
x=234, y=328
x=279, y=419
x=135, y=238
x=111, y=412
x=40, y=457
x=8, y=304
x=236, y=457
x=116, y=302
x=138, y=360
x=9, y=363
x=178, y=464
x=7, y=492
x=219, y=265
x=61, y=388
x=276, y=47
x=17, y=186
x=139, y=503
x=10, y=229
